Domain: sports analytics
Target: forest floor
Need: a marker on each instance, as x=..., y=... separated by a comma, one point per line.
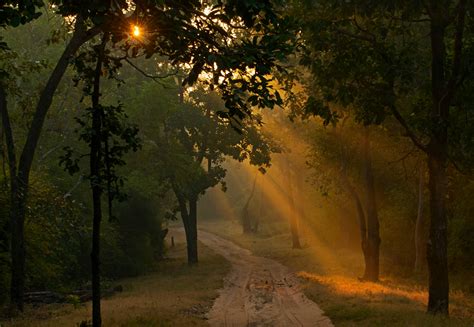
x=175, y=295
x=179, y=295
x=329, y=278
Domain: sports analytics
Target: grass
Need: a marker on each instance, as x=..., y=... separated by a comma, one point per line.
x=330, y=279
x=176, y=295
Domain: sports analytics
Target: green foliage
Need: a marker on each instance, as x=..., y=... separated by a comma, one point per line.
x=54, y=230
x=74, y=300
x=200, y=37
x=196, y=38
x=139, y=238
x=380, y=63
x=190, y=141
x=14, y=13
x=374, y=58
x=119, y=138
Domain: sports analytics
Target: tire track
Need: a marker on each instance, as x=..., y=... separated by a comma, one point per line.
x=259, y=292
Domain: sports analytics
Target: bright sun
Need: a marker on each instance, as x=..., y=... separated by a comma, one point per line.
x=136, y=30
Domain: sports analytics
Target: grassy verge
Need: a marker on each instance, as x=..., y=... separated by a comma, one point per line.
x=176, y=295
x=330, y=279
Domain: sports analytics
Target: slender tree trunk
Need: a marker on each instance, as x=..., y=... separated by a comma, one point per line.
x=437, y=253
x=420, y=221
x=183, y=209
x=3, y=105
x=357, y=201
x=373, y=236
x=192, y=237
x=256, y=223
x=360, y=216
x=443, y=90
x=295, y=236
x=95, y=253
x=17, y=215
x=20, y=176
x=17, y=224
x=96, y=159
x=246, y=223
x=302, y=201
x=246, y=218
x=190, y=226
x=362, y=230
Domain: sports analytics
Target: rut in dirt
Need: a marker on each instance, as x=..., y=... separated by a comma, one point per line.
x=259, y=292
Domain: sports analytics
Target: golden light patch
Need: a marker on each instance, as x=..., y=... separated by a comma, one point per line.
x=353, y=287
x=136, y=30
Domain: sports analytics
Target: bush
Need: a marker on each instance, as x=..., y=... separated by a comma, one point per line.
x=135, y=239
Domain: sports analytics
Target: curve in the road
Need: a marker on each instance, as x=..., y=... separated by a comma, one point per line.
x=259, y=292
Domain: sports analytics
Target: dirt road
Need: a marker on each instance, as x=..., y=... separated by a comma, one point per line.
x=259, y=292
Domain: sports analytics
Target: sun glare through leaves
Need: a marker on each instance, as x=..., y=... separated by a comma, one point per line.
x=136, y=31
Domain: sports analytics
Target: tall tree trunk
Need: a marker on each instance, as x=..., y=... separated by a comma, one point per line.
x=295, y=236
x=301, y=199
x=256, y=223
x=20, y=177
x=373, y=236
x=95, y=252
x=17, y=214
x=437, y=253
x=443, y=91
x=355, y=196
x=192, y=237
x=360, y=216
x=96, y=159
x=17, y=223
x=420, y=221
x=246, y=218
x=190, y=226
x=183, y=209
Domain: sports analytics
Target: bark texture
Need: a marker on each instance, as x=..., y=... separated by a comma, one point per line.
x=96, y=158
x=20, y=170
x=189, y=218
x=367, y=214
x=295, y=235
x=372, y=251
x=445, y=81
x=246, y=217
x=420, y=222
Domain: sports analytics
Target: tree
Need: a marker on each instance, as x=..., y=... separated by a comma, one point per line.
x=294, y=213
x=399, y=43
x=109, y=139
x=192, y=36
x=420, y=219
x=342, y=160
x=194, y=144
x=20, y=168
x=247, y=220
x=371, y=242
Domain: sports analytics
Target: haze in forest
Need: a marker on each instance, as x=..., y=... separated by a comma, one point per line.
x=236, y=163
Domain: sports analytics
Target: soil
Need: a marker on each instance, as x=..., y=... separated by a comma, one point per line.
x=259, y=291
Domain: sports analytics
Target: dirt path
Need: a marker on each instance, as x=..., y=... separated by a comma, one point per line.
x=259, y=292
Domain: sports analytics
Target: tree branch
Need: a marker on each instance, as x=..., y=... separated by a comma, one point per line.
x=357, y=36
x=453, y=83
x=69, y=193
x=408, y=131
x=405, y=156
x=7, y=129
x=156, y=78
x=80, y=36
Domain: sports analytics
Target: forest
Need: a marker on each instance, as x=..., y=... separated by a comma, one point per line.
x=236, y=163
